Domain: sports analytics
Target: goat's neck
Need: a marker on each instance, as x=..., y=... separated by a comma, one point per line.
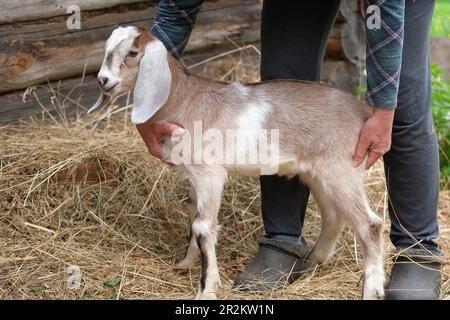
x=191, y=97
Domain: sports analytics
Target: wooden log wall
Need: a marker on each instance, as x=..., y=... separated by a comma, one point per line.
x=36, y=47
x=45, y=50
x=21, y=11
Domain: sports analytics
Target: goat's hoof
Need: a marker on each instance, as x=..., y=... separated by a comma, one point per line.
x=374, y=285
x=311, y=265
x=373, y=294
x=206, y=296
x=186, y=264
x=312, y=262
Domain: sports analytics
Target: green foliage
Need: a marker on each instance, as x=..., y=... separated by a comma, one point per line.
x=440, y=26
x=361, y=91
x=39, y=291
x=113, y=282
x=441, y=115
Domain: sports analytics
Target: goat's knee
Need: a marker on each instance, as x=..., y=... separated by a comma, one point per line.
x=200, y=227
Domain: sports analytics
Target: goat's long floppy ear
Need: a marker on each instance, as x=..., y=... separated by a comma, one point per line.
x=153, y=83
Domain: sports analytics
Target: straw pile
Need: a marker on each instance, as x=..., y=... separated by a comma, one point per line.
x=86, y=193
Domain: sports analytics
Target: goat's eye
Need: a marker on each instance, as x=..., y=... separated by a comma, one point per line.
x=132, y=54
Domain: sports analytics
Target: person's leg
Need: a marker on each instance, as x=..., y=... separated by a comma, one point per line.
x=412, y=164
x=293, y=43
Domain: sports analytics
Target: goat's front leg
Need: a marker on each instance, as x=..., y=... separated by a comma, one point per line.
x=208, y=186
x=192, y=256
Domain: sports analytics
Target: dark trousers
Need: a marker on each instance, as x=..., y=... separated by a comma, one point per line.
x=293, y=42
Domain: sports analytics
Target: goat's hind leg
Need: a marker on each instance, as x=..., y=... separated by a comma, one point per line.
x=332, y=224
x=347, y=191
x=370, y=237
x=192, y=257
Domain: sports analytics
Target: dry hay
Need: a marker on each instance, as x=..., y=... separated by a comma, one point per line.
x=94, y=198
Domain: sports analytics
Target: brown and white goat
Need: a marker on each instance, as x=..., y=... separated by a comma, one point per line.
x=318, y=128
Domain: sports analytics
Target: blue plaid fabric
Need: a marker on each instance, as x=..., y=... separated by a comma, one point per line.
x=384, y=53
x=174, y=22
x=175, y=19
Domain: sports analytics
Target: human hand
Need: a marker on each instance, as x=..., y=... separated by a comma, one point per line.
x=152, y=132
x=375, y=137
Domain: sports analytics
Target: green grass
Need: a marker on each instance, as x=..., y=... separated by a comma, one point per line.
x=441, y=115
x=440, y=26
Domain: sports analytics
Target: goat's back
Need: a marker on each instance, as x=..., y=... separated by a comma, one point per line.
x=318, y=117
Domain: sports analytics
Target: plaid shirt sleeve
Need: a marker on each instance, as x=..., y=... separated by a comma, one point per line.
x=384, y=53
x=175, y=19
x=173, y=23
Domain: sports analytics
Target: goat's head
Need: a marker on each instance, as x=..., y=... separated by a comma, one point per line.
x=135, y=60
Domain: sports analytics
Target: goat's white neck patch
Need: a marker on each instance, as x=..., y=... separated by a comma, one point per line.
x=153, y=83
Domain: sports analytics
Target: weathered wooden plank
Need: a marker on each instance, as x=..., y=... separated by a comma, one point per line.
x=354, y=39
x=84, y=93
x=76, y=94
x=57, y=53
x=349, y=8
x=334, y=45
x=26, y=10
x=21, y=105
x=353, y=32
x=33, y=54
x=340, y=74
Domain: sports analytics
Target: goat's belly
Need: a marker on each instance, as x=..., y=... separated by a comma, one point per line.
x=285, y=167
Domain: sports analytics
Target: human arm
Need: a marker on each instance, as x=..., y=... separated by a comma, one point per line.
x=383, y=64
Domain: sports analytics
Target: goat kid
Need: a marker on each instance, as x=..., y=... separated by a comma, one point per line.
x=318, y=130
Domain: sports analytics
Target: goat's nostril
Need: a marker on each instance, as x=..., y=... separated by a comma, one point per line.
x=102, y=81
